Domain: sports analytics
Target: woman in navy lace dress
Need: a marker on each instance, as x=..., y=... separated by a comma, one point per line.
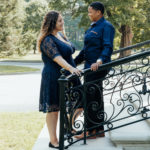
x=56, y=53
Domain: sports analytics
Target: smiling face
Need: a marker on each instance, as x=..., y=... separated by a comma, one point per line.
x=93, y=14
x=59, y=23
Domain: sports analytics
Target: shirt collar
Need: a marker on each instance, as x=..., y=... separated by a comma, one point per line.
x=98, y=22
x=93, y=23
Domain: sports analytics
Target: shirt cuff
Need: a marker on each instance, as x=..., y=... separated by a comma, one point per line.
x=100, y=59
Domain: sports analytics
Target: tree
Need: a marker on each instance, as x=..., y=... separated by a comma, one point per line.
x=127, y=17
x=73, y=32
x=9, y=23
x=143, y=31
x=35, y=11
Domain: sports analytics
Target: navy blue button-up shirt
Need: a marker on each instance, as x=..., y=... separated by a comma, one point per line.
x=98, y=43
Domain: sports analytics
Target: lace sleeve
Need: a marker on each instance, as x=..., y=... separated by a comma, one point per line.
x=50, y=48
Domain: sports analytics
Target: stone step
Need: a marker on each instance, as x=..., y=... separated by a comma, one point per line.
x=135, y=136
x=148, y=113
x=92, y=144
x=148, y=120
x=95, y=144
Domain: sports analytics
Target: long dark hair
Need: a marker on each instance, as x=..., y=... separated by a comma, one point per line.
x=48, y=25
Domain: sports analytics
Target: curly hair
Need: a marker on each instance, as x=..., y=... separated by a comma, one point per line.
x=48, y=25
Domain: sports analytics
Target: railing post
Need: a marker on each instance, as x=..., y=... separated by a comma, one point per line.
x=85, y=108
x=62, y=84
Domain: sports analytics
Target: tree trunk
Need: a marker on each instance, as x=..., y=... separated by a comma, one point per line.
x=34, y=51
x=126, y=39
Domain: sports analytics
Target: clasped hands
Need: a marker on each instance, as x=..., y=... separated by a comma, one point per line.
x=94, y=67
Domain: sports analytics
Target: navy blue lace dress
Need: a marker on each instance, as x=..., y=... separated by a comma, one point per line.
x=52, y=47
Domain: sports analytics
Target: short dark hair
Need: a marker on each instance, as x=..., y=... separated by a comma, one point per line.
x=98, y=6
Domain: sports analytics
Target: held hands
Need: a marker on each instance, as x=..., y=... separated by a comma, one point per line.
x=75, y=71
x=95, y=66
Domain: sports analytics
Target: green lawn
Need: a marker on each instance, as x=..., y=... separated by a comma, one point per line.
x=16, y=69
x=19, y=131
x=29, y=57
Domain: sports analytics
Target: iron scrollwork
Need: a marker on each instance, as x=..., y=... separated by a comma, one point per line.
x=126, y=94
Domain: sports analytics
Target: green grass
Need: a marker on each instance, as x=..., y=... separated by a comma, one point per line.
x=16, y=69
x=19, y=131
x=29, y=57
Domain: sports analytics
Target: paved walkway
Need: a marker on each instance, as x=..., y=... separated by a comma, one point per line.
x=19, y=92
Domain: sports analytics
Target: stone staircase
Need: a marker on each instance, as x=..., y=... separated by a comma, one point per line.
x=92, y=144
x=132, y=137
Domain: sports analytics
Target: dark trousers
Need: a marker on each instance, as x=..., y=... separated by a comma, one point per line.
x=95, y=104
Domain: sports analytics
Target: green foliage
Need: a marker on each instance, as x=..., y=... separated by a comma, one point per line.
x=26, y=43
x=20, y=22
x=73, y=32
x=142, y=32
x=8, y=26
x=118, y=12
x=35, y=10
x=34, y=13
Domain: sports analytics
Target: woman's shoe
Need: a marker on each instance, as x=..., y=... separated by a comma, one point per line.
x=52, y=146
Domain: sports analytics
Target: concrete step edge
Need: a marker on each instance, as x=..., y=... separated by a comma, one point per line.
x=138, y=133
x=95, y=144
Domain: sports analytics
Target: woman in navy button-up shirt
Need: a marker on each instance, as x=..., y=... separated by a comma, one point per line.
x=98, y=47
x=98, y=41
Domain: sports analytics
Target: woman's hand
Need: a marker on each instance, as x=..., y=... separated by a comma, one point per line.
x=75, y=71
x=64, y=64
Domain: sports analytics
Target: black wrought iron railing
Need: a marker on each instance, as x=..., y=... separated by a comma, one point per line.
x=124, y=93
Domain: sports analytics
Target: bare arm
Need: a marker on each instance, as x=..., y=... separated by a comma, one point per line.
x=50, y=49
x=63, y=63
